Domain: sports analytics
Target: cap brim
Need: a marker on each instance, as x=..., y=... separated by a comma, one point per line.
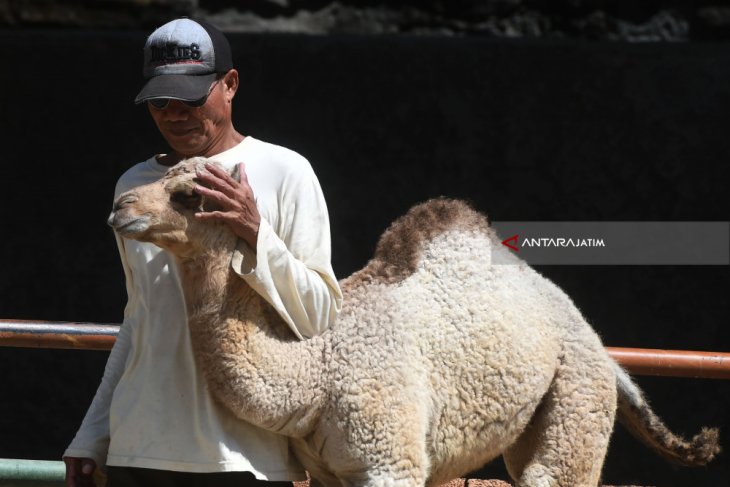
x=176, y=86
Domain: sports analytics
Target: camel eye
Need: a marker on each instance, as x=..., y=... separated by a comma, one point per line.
x=186, y=197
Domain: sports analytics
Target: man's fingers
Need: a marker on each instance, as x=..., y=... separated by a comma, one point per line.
x=212, y=177
x=221, y=174
x=215, y=183
x=88, y=466
x=219, y=179
x=216, y=215
x=236, y=200
x=71, y=471
x=79, y=471
x=217, y=197
x=217, y=170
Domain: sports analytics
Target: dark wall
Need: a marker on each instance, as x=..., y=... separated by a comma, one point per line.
x=534, y=130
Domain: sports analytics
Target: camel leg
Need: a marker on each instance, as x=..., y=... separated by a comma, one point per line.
x=566, y=441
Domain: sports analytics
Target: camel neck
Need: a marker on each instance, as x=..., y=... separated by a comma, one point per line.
x=251, y=360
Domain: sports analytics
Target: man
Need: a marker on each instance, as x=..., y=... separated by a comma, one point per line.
x=152, y=421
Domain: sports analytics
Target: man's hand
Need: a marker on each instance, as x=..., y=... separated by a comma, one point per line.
x=238, y=206
x=79, y=472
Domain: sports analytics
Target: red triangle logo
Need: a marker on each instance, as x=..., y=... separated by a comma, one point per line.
x=513, y=239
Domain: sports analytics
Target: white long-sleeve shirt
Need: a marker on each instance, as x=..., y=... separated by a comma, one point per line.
x=152, y=408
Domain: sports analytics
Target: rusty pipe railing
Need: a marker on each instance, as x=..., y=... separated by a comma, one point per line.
x=673, y=363
x=51, y=334
x=92, y=336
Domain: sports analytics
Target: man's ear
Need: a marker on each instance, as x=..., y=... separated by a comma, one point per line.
x=236, y=173
x=231, y=83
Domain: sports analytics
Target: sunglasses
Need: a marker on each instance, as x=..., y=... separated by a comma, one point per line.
x=161, y=103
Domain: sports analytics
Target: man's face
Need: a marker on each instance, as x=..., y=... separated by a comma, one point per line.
x=198, y=131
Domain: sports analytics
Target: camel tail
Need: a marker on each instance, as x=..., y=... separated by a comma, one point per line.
x=636, y=415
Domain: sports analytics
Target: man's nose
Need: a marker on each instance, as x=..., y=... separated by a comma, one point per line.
x=176, y=110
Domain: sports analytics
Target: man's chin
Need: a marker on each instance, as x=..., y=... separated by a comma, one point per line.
x=185, y=148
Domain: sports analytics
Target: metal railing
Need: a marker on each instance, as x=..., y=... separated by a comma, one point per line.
x=93, y=336
x=35, y=473
x=57, y=334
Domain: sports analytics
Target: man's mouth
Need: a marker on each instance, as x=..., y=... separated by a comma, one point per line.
x=180, y=131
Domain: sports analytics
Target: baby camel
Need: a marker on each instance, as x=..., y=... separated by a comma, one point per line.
x=439, y=362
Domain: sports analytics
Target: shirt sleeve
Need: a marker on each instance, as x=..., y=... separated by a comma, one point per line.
x=92, y=438
x=291, y=267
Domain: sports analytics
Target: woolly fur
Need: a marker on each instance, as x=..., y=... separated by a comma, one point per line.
x=439, y=362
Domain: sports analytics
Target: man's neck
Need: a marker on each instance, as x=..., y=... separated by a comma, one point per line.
x=174, y=157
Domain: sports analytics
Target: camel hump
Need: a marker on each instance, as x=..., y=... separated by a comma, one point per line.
x=399, y=248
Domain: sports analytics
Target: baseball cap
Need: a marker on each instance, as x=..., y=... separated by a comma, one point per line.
x=181, y=60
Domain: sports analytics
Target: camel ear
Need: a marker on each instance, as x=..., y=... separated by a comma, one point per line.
x=236, y=173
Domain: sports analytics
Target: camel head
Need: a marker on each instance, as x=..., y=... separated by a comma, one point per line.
x=163, y=213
